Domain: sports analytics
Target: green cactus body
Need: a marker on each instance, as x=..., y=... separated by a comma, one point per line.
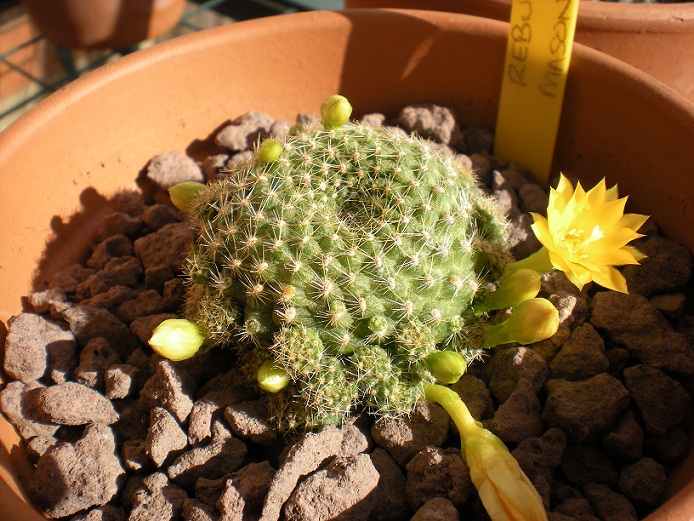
x=346, y=259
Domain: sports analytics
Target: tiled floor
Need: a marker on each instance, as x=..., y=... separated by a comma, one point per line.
x=31, y=67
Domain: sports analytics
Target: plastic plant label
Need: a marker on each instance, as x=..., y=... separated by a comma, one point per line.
x=538, y=53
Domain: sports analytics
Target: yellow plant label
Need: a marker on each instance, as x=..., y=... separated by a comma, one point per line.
x=538, y=53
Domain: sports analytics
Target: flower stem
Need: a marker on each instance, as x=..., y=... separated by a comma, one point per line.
x=454, y=406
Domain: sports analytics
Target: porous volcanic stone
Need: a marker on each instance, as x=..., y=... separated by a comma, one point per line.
x=343, y=490
x=75, y=404
x=32, y=340
x=586, y=409
x=633, y=322
x=70, y=478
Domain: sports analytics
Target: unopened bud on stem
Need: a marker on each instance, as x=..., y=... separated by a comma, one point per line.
x=514, y=288
x=446, y=366
x=335, y=111
x=183, y=194
x=531, y=321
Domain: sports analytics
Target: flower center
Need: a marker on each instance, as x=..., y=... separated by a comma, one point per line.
x=577, y=240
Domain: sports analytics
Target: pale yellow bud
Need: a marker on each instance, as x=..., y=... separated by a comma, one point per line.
x=531, y=321
x=183, y=194
x=335, y=111
x=271, y=378
x=514, y=288
x=176, y=339
x=506, y=492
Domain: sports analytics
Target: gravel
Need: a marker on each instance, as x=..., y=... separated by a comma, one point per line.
x=596, y=416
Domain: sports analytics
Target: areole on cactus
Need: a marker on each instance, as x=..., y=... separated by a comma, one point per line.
x=356, y=266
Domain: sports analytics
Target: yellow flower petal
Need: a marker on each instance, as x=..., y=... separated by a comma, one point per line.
x=619, y=257
x=632, y=220
x=638, y=256
x=596, y=195
x=605, y=215
x=560, y=197
x=611, y=194
x=541, y=229
x=610, y=278
x=612, y=240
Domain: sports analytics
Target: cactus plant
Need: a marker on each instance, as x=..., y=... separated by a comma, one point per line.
x=346, y=255
x=359, y=266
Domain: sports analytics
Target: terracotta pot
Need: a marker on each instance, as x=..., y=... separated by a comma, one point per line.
x=657, y=38
x=92, y=138
x=106, y=24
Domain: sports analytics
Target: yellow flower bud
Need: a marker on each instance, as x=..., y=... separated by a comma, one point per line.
x=271, y=378
x=269, y=151
x=176, y=339
x=335, y=111
x=446, y=366
x=503, y=487
x=506, y=492
x=514, y=288
x=183, y=194
x=531, y=321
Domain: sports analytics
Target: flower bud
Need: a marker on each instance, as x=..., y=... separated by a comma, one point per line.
x=531, y=321
x=271, y=378
x=176, y=339
x=183, y=194
x=335, y=111
x=379, y=326
x=506, y=492
x=514, y=288
x=446, y=366
x=269, y=151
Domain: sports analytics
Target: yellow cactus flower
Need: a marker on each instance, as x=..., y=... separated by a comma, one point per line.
x=585, y=235
x=506, y=492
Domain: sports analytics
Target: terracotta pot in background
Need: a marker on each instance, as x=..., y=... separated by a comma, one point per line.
x=93, y=137
x=104, y=24
x=655, y=38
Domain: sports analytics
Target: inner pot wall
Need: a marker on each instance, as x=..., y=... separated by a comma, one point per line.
x=94, y=136
x=654, y=38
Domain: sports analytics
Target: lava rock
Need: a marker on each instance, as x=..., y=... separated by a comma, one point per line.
x=70, y=478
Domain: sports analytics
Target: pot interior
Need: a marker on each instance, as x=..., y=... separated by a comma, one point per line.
x=62, y=160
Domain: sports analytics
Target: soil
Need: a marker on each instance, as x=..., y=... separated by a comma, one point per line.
x=596, y=415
